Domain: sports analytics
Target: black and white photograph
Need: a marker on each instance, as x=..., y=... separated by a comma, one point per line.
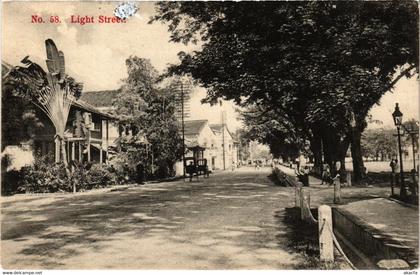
x=221, y=135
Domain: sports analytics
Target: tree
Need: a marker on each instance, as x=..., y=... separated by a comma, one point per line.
x=318, y=65
x=51, y=92
x=265, y=127
x=147, y=115
x=380, y=144
x=18, y=119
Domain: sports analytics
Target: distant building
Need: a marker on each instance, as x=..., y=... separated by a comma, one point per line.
x=199, y=133
x=227, y=146
x=211, y=139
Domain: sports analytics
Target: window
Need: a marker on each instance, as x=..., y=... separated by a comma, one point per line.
x=97, y=126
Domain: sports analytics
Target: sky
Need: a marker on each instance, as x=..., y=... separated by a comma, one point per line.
x=96, y=53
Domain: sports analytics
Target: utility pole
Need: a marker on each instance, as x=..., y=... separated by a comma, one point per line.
x=183, y=130
x=402, y=183
x=223, y=138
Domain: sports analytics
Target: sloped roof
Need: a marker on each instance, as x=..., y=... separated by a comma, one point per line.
x=86, y=106
x=100, y=98
x=194, y=127
x=218, y=128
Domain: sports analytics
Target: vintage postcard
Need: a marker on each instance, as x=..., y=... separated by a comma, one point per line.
x=209, y=136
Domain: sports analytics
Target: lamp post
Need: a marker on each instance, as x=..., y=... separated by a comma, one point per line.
x=412, y=132
x=397, y=116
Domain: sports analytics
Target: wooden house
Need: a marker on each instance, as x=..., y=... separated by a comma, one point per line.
x=86, y=135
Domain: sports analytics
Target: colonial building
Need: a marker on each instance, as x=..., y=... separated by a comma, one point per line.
x=102, y=101
x=86, y=133
x=198, y=134
x=213, y=142
x=227, y=146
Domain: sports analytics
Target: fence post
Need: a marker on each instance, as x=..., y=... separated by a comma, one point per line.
x=307, y=206
x=326, y=243
x=348, y=178
x=297, y=196
x=392, y=183
x=305, y=201
x=337, y=190
x=302, y=194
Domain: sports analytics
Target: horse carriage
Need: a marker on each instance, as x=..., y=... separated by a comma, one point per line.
x=196, y=167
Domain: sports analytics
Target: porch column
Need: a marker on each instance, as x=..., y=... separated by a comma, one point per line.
x=73, y=150
x=68, y=150
x=88, y=149
x=80, y=151
x=100, y=153
x=57, y=149
x=107, y=140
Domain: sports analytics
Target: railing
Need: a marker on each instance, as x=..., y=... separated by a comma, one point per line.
x=327, y=239
x=96, y=134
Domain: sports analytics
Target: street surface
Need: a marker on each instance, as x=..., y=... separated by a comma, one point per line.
x=233, y=220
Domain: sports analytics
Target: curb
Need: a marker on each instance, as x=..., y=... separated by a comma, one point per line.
x=404, y=203
x=374, y=243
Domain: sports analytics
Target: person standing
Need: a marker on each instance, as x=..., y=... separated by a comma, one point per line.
x=191, y=170
x=326, y=174
x=393, y=165
x=140, y=172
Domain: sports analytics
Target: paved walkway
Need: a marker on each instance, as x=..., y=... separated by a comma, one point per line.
x=399, y=222
x=233, y=220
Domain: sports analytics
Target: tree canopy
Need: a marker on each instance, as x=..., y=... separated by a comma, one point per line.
x=147, y=115
x=314, y=64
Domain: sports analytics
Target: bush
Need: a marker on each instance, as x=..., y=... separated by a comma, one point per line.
x=10, y=181
x=44, y=177
x=47, y=177
x=99, y=175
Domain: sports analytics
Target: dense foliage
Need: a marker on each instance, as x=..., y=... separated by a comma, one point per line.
x=44, y=176
x=311, y=65
x=147, y=119
x=380, y=144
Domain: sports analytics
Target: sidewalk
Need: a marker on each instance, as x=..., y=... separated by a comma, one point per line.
x=399, y=222
x=396, y=225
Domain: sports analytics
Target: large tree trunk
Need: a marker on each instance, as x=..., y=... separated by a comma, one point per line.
x=344, y=146
x=329, y=147
x=356, y=155
x=316, y=148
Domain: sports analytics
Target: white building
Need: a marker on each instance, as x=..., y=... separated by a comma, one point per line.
x=210, y=138
x=227, y=151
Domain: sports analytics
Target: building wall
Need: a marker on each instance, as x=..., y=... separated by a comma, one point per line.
x=213, y=141
x=230, y=150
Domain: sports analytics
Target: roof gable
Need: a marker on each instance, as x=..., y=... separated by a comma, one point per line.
x=217, y=128
x=194, y=127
